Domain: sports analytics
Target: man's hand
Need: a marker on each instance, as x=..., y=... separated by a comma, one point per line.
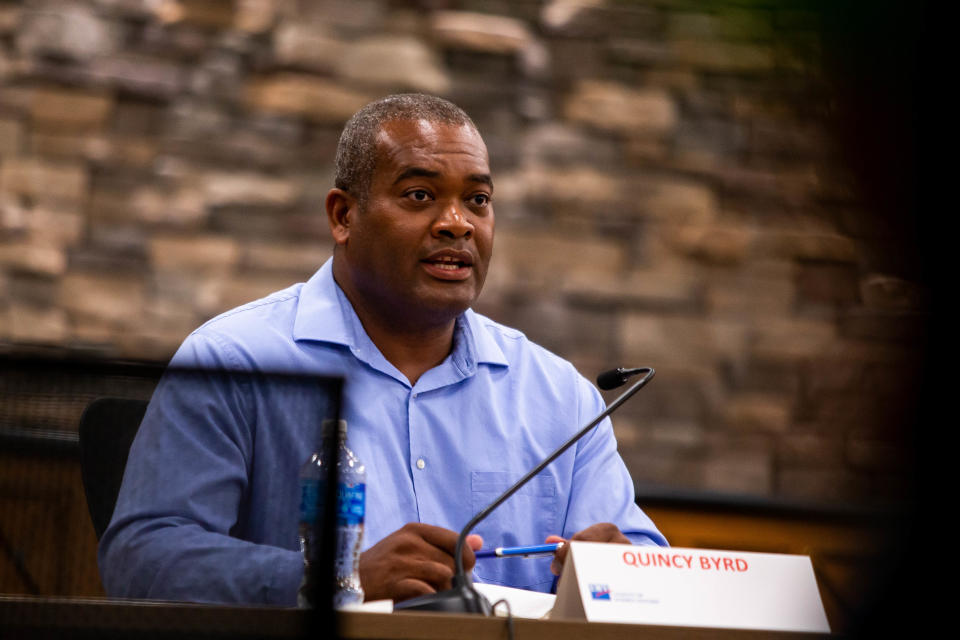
x=603, y=532
x=415, y=560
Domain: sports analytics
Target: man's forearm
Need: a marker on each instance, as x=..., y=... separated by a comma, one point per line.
x=169, y=560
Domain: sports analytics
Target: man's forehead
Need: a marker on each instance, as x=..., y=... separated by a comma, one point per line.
x=415, y=137
x=422, y=127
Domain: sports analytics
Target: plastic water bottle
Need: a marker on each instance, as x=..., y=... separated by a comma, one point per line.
x=311, y=490
x=351, y=503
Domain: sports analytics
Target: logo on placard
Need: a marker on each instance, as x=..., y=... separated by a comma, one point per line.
x=600, y=592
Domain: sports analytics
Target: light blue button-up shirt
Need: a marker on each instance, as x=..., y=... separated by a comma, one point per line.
x=208, y=510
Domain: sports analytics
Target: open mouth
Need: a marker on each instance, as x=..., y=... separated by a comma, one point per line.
x=449, y=265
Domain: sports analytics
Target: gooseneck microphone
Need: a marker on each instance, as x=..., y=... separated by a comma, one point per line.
x=463, y=597
x=618, y=377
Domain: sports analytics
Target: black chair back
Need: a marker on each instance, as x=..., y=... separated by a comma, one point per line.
x=107, y=429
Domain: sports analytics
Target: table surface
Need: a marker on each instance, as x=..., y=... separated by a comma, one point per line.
x=51, y=616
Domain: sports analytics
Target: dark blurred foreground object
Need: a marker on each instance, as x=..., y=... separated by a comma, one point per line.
x=66, y=427
x=107, y=429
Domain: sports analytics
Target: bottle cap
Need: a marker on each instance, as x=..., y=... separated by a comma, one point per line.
x=341, y=424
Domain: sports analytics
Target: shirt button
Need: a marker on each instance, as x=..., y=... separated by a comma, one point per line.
x=420, y=463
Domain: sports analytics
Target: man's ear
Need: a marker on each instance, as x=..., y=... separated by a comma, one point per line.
x=341, y=209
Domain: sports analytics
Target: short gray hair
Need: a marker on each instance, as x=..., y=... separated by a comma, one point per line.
x=357, y=149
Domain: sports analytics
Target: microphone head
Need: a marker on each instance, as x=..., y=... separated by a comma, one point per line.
x=612, y=379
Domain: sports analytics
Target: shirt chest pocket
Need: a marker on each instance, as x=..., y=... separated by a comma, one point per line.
x=526, y=518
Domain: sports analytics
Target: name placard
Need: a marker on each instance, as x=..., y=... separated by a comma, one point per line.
x=689, y=587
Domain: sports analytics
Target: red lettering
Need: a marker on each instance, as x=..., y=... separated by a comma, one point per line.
x=741, y=564
x=716, y=563
x=661, y=559
x=728, y=564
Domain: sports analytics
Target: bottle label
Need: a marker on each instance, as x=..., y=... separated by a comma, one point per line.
x=309, y=501
x=351, y=500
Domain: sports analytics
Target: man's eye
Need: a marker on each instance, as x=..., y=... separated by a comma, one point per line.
x=419, y=195
x=480, y=200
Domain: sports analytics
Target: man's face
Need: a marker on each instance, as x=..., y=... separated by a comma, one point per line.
x=420, y=247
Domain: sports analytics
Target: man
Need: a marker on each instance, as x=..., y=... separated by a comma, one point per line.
x=445, y=407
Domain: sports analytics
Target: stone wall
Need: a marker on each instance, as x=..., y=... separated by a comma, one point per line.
x=670, y=191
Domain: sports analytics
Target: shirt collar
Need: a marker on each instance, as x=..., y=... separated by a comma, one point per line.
x=487, y=349
x=325, y=314
x=320, y=314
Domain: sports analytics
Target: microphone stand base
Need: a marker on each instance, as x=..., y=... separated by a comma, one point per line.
x=462, y=600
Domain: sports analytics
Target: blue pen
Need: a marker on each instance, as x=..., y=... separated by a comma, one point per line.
x=525, y=552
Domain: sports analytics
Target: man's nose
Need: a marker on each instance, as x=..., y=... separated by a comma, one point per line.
x=452, y=223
